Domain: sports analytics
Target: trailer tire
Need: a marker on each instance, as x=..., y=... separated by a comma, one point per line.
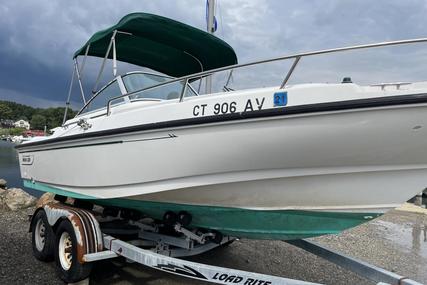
x=70, y=270
x=42, y=237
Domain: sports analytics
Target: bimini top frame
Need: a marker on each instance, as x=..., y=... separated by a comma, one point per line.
x=156, y=42
x=295, y=57
x=161, y=44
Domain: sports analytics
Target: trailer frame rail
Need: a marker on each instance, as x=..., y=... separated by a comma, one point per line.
x=221, y=275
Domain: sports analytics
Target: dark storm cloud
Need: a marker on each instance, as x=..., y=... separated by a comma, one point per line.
x=38, y=38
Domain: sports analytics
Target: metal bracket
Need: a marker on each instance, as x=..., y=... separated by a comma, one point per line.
x=84, y=124
x=192, y=236
x=397, y=84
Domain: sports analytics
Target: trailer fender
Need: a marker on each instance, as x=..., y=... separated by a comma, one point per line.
x=86, y=227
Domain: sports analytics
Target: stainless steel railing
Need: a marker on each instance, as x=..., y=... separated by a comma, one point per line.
x=296, y=58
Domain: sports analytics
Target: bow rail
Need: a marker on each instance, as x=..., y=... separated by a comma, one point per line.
x=296, y=58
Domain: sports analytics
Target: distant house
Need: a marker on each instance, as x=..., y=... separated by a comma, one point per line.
x=7, y=124
x=22, y=124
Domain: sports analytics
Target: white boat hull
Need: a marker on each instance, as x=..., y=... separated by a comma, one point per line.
x=317, y=166
x=352, y=160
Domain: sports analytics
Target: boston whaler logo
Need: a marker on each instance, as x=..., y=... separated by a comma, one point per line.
x=27, y=159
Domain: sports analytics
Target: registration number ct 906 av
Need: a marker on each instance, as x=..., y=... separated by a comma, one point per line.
x=228, y=107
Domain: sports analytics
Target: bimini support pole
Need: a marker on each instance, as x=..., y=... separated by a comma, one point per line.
x=76, y=65
x=67, y=103
x=113, y=39
x=103, y=62
x=211, y=30
x=84, y=59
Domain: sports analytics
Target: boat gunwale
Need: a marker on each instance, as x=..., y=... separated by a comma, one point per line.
x=374, y=102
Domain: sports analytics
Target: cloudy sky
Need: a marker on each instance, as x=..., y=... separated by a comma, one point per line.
x=38, y=38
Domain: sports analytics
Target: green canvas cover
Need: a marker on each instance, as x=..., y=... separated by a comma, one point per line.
x=162, y=44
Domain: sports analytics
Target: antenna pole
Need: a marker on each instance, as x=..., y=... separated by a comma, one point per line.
x=211, y=30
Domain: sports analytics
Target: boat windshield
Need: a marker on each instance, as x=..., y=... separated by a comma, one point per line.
x=138, y=81
x=101, y=99
x=134, y=82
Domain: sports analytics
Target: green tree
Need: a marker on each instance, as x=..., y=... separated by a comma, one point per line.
x=16, y=131
x=11, y=132
x=5, y=111
x=38, y=122
x=53, y=116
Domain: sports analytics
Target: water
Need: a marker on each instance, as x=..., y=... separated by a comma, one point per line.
x=9, y=168
x=411, y=236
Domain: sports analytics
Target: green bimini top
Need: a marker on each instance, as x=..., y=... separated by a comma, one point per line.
x=162, y=44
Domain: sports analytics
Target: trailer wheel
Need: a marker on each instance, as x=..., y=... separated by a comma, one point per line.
x=42, y=237
x=69, y=268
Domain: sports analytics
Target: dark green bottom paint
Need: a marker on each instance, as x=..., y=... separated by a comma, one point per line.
x=243, y=223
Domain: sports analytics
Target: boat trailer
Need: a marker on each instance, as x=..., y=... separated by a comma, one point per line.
x=160, y=251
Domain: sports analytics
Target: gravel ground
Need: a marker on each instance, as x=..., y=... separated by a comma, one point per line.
x=17, y=264
x=395, y=241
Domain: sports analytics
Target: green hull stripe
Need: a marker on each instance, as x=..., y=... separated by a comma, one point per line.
x=47, y=188
x=245, y=223
x=257, y=224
